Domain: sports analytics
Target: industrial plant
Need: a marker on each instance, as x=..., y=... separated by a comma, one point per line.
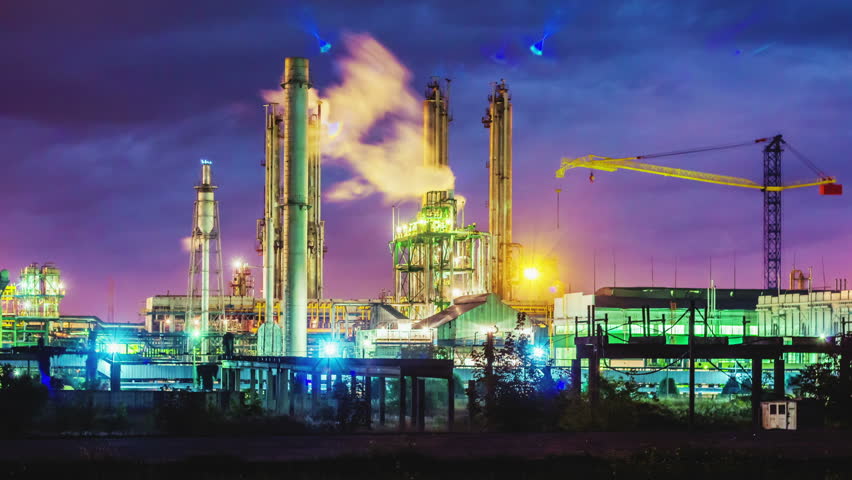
x=456, y=288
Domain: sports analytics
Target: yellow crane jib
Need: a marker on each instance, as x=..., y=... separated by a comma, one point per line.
x=607, y=164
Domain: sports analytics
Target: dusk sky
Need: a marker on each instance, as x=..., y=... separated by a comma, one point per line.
x=108, y=106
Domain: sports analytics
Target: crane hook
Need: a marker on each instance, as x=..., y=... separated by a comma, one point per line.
x=592, y=177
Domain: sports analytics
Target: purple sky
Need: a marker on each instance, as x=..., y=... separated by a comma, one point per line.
x=109, y=105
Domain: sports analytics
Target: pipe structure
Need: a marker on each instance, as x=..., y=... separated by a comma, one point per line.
x=436, y=120
x=271, y=232
x=316, y=226
x=296, y=83
x=498, y=119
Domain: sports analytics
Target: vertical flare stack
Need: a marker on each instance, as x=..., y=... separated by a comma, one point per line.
x=498, y=119
x=205, y=229
x=296, y=83
x=316, y=226
x=436, y=121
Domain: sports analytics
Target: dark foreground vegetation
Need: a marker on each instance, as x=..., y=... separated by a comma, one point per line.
x=650, y=464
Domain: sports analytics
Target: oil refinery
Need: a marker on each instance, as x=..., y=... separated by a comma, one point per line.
x=456, y=286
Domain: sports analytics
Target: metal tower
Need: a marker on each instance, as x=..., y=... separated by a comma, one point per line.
x=205, y=228
x=498, y=119
x=772, y=212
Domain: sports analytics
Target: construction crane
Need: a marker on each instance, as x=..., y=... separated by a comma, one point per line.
x=771, y=186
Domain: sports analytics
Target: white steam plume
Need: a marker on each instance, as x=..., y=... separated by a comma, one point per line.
x=376, y=90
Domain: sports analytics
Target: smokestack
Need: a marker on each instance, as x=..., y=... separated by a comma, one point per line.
x=498, y=119
x=296, y=83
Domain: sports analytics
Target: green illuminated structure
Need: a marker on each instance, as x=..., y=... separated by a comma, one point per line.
x=435, y=260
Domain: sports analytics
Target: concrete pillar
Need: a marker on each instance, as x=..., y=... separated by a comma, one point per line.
x=253, y=379
x=778, y=381
x=329, y=385
x=756, y=390
x=316, y=384
x=415, y=398
x=368, y=397
x=402, y=391
x=272, y=383
x=237, y=379
x=115, y=377
x=421, y=405
x=382, y=395
x=283, y=381
x=451, y=403
x=353, y=383
x=292, y=379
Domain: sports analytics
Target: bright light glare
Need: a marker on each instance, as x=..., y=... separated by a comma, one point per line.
x=531, y=273
x=457, y=292
x=196, y=334
x=238, y=263
x=330, y=349
x=114, y=348
x=539, y=352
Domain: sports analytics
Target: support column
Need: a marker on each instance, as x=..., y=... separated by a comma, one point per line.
x=778, y=381
x=451, y=403
x=415, y=400
x=291, y=380
x=594, y=378
x=283, y=384
x=272, y=383
x=756, y=390
x=253, y=379
x=421, y=404
x=114, y=377
x=382, y=395
x=576, y=376
x=236, y=376
x=402, y=389
x=226, y=380
x=353, y=383
x=316, y=384
x=368, y=394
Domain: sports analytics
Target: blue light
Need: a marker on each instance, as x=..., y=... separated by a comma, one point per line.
x=560, y=385
x=324, y=46
x=537, y=48
x=204, y=161
x=539, y=352
x=330, y=349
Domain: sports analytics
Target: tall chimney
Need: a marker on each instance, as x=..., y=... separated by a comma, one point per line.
x=498, y=119
x=296, y=83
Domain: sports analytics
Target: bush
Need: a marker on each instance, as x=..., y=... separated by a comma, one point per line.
x=22, y=398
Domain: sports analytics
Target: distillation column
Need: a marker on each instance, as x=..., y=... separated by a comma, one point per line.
x=296, y=83
x=205, y=228
x=316, y=226
x=436, y=120
x=269, y=232
x=498, y=119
